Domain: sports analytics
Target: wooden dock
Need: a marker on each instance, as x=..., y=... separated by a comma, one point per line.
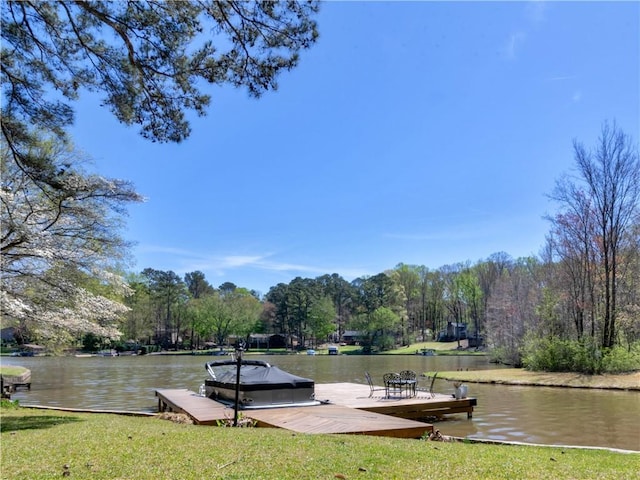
x=11, y=383
x=422, y=406
x=338, y=419
x=346, y=408
x=202, y=410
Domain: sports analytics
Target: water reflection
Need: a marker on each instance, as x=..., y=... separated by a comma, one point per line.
x=527, y=414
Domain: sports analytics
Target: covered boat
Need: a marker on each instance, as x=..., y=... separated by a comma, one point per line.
x=261, y=385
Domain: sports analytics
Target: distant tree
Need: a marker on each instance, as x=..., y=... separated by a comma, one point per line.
x=139, y=320
x=321, y=319
x=342, y=294
x=212, y=318
x=219, y=316
x=245, y=310
x=375, y=292
x=471, y=293
x=169, y=296
x=148, y=59
x=489, y=271
x=435, y=309
x=227, y=288
x=513, y=310
x=197, y=284
x=60, y=242
x=279, y=315
x=407, y=278
x=377, y=328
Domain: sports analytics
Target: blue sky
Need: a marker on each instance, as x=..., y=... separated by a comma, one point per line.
x=424, y=133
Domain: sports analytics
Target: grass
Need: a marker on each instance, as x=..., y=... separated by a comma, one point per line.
x=519, y=376
x=441, y=348
x=40, y=444
x=10, y=371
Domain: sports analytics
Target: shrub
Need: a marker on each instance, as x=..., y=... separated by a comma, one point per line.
x=621, y=360
x=552, y=354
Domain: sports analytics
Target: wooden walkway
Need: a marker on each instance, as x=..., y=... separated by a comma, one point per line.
x=346, y=408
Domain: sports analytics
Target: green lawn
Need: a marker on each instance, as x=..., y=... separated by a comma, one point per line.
x=42, y=444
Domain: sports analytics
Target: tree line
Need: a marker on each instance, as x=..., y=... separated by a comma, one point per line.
x=567, y=308
x=64, y=261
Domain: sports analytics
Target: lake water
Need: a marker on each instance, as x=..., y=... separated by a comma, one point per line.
x=543, y=415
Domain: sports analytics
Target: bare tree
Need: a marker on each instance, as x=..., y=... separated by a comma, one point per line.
x=603, y=202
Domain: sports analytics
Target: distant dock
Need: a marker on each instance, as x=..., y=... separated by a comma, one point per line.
x=10, y=383
x=347, y=408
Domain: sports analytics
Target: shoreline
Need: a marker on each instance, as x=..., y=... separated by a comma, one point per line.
x=522, y=377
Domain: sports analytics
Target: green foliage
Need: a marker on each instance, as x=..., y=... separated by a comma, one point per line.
x=147, y=59
x=91, y=342
x=552, y=354
x=506, y=355
x=5, y=403
x=621, y=360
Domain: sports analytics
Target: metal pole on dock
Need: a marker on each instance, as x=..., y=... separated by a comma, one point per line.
x=239, y=364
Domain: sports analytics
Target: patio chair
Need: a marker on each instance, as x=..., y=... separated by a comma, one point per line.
x=392, y=383
x=371, y=386
x=433, y=380
x=409, y=382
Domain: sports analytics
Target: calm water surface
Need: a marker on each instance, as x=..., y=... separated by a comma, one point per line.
x=544, y=415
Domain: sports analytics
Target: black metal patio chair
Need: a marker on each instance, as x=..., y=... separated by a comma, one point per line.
x=392, y=383
x=371, y=385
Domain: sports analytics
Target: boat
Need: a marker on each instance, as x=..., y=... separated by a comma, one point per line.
x=261, y=385
x=427, y=352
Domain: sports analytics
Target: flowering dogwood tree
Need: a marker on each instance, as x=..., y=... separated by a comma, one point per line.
x=59, y=243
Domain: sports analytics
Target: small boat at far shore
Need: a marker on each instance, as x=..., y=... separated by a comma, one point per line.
x=261, y=385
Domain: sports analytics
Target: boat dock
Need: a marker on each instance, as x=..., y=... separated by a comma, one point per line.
x=11, y=383
x=345, y=408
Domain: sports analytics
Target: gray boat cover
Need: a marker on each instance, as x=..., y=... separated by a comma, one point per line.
x=254, y=377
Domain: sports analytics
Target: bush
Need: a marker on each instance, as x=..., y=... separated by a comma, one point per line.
x=621, y=360
x=505, y=356
x=585, y=356
x=552, y=354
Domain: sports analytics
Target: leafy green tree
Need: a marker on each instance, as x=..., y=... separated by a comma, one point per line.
x=342, y=294
x=469, y=287
x=197, y=284
x=220, y=315
x=169, y=296
x=279, y=314
x=212, y=318
x=321, y=318
x=407, y=278
x=138, y=324
x=245, y=310
x=375, y=292
x=377, y=328
x=147, y=59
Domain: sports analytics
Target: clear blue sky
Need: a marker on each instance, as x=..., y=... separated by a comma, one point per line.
x=423, y=133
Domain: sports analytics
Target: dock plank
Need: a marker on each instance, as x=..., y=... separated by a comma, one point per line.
x=338, y=419
x=202, y=410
